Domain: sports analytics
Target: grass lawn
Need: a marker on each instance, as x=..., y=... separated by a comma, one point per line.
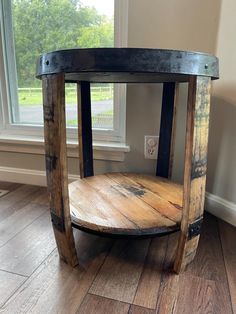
x=104, y=120
x=32, y=97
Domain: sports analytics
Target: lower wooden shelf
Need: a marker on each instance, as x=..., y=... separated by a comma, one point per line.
x=126, y=204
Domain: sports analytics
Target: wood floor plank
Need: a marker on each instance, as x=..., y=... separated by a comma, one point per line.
x=9, y=186
x=184, y=294
x=168, y=291
x=17, y=199
x=12, y=225
x=58, y=288
x=106, y=281
x=26, y=251
x=208, y=262
x=134, y=309
x=9, y=283
x=176, y=290
x=15, y=196
x=149, y=283
x=42, y=198
x=198, y=295
x=119, y=276
x=94, y=304
x=228, y=236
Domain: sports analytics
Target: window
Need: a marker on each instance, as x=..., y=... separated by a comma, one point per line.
x=31, y=27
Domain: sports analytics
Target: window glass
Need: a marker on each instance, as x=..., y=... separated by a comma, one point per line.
x=45, y=25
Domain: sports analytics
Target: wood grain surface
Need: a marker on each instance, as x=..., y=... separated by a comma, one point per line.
x=19, y=220
x=228, y=236
x=134, y=309
x=93, y=304
x=208, y=263
x=38, y=294
x=27, y=249
x=16, y=200
x=126, y=204
x=56, y=164
x=9, y=283
x=110, y=273
x=208, y=293
x=119, y=276
x=195, y=167
x=150, y=280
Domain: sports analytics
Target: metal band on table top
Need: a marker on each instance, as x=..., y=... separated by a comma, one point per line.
x=110, y=64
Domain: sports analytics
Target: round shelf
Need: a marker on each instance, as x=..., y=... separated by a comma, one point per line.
x=126, y=204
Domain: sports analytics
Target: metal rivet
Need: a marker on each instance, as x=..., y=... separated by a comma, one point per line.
x=47, y=62
x=206, y=66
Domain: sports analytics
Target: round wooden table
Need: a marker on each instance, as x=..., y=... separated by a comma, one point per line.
x=127, y=204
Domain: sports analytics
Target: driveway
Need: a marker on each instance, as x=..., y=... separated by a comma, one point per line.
x=34, y=114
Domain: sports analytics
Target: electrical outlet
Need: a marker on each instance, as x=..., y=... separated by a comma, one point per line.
x=151, y=146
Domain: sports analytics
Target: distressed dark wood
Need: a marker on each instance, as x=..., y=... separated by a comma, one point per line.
x=118, y=65
x=195, y=167
x=167, y=130
x=56, y=164
x=126, y=204
x=94, y=304
x=85, y=129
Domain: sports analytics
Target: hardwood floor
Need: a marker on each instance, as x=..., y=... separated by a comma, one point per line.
x=113, y=276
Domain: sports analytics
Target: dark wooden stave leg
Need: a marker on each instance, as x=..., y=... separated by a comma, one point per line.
x=195, y=170
x=56, y=164
x=167, y=130
x=85, y=129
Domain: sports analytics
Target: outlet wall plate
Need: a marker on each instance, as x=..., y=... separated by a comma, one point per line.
x=151, y=146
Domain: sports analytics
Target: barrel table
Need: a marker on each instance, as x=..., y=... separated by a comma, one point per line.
x=127, y=204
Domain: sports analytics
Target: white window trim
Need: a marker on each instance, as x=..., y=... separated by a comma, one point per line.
x=29, y=138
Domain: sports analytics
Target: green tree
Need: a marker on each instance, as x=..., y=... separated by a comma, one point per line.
x=101, y=35
x=46, y=25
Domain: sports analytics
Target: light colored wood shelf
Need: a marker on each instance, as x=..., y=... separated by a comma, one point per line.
x=126, y=204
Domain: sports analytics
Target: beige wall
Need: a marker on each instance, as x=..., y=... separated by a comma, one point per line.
x=179, y=24
x=222, y=145
x=174, y=24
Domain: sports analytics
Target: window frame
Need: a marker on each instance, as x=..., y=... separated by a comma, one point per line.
x=8, y=91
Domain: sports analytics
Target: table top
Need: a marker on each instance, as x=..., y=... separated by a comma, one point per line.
x=127, y=65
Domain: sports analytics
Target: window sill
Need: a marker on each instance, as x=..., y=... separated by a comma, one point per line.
x=35, y=145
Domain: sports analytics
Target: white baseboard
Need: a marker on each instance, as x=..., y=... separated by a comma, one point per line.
x=213, y=204
x=221, y=208
x=27, y=176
